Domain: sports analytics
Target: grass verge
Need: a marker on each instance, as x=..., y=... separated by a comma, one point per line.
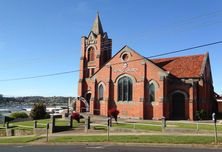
x=140, y=139
x=151, y=126
x=14, y=140
x=206, y=127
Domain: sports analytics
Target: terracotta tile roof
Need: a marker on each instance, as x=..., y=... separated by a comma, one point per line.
x=182, y=67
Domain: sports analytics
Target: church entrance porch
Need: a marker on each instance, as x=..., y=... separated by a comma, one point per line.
x=178, y=106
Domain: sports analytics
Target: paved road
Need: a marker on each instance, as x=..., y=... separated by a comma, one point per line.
x=100, y=148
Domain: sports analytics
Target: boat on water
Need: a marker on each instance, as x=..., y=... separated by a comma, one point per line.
x=27, y=109
x=58, y=109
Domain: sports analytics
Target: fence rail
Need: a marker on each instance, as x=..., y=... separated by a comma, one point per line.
x=42, y=124
x=143, y=124
x=24, y=126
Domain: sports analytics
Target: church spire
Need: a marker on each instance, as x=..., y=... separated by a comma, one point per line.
x=97, y=26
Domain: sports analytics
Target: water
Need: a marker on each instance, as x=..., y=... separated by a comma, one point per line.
x=14, y=108
x=11, y=109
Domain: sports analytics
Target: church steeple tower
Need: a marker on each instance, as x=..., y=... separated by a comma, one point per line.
x=96, y=50
x=97, y=26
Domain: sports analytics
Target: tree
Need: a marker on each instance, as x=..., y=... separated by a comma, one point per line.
x=38, y=111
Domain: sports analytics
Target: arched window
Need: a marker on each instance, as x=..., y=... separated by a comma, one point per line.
x=101, y=92
x=91, y=54
x=125, y=89
x=152, y=93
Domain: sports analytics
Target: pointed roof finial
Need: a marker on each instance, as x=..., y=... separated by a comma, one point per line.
x=97, y=26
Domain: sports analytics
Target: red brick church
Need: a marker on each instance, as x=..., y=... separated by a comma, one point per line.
x=140, y=87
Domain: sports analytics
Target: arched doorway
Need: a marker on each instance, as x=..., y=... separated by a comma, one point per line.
x=88, y=97
x=178, y=106
x=86, y=102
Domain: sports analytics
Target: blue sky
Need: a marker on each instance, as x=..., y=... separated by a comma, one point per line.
x=43, y=37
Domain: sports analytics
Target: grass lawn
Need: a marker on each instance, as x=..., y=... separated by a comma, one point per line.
x=98, y=127
x=138, y=127
x=140, y=139
x=27, y=125
x=153, y=122
x=11, y=140
x=61, y=122
x=206, y=127
x=209, y=127
x=1, y=126
x=122, y=139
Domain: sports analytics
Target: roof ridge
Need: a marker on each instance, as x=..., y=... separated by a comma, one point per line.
x=178, y=56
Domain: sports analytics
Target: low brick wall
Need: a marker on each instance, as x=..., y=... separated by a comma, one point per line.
x=53, y=128
x=2, y=133
x=23, y=132
x=13, y=132
x=39, y=131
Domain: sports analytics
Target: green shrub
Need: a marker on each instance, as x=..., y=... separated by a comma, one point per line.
x=18, y=115
x=47, y=116
x=38, y=111
x=201, y=114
